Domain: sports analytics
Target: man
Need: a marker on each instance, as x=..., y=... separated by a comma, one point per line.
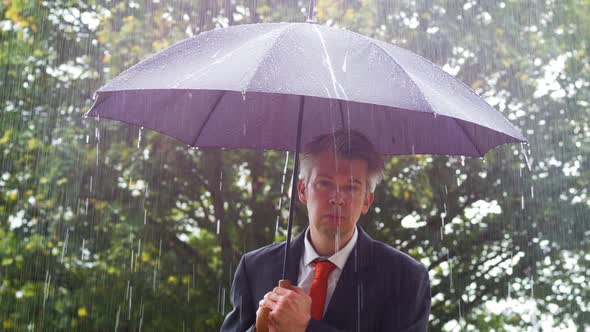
x=345, y=280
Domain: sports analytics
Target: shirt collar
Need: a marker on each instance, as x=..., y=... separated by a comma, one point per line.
x=339, y=258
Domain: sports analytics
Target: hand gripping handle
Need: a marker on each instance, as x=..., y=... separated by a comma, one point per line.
x=262, y=318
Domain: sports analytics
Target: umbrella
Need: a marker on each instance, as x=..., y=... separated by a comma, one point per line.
x=278, y=85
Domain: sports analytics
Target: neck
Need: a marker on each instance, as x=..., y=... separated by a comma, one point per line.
x=326, y=246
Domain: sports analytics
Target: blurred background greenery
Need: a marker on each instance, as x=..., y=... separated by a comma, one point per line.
x=104, y=226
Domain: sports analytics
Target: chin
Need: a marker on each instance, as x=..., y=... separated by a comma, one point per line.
x=332, y=230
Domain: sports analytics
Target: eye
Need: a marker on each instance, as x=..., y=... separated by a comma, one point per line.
x=353, y=188
x=323, y=184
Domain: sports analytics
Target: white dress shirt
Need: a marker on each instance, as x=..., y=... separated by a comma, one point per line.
x=307, y=271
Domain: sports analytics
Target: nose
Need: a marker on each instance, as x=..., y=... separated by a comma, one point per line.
x=337, y=198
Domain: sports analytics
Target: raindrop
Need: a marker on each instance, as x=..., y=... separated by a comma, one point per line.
x=82, y=250
x=193, y=280
x=223, y=301
x=522, y=202
x=139, y=137
x=337, y=240
x=188, y=292
x=526, y=157
x=130, y=301
x=450, y=270
x=460, y=312
x=141, y=318
x=117, y=318
x=144, y=216
x=159, y=254
x=442, y=227
x=532, y=192
x=46, y=288
x=87, y=138
x=97, y=154
x=463, y=161
x=219, y=299
x=218, y=224
x=86, y=208
x=65, y=246
x=90, y=183
x=244, y=95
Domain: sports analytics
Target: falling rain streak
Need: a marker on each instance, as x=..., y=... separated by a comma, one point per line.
x=504, y=237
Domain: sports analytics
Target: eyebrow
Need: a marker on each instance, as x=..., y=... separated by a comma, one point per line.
x=331, y=178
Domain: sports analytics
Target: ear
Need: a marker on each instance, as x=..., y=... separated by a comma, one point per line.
x=301, y=193
x=367, y=202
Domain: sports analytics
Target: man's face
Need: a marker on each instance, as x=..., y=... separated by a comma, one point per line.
x=335, y=196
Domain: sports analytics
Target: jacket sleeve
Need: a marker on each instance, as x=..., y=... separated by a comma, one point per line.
x=243, y=316
x=416, y=310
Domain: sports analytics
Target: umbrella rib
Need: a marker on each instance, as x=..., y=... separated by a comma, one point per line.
x=403, y=70
x=217, y=102
x=470, y=139
x=97, y=102
x=342, y=114
x=266, y=56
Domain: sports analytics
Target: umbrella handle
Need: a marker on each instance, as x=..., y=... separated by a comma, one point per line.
x=262, y=318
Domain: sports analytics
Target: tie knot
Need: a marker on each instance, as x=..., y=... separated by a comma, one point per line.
x=322, y=268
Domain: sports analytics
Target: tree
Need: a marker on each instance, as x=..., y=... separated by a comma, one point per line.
x=108, y=226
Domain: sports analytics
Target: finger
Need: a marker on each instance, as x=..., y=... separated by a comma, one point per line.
x=297, y=290
x=281, y=291
x=267, y=304
x=272, y=297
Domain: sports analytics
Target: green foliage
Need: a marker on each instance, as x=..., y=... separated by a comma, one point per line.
x=104, y=226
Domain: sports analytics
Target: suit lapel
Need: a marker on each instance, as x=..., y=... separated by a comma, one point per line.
x=346, y=303
x=292, y=270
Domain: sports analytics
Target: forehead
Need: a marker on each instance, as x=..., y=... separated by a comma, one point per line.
x=329, y=165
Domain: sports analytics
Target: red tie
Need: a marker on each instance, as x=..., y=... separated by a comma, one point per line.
x=319, y=287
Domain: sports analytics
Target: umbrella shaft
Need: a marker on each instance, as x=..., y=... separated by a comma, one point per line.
x=311, y=10
x=293, y=187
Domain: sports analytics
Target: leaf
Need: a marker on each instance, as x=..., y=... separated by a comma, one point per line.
x=7, y=261
x=6, y=137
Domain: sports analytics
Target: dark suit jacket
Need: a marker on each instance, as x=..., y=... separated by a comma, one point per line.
x=380, y=288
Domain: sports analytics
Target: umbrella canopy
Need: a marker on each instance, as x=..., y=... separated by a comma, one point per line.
x=246, y=87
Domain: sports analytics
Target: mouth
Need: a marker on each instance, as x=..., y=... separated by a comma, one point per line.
x=334, y=218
